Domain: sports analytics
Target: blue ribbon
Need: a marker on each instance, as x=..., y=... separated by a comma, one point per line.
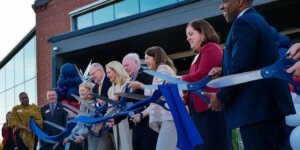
x=130, y=108
x=194, y=87
x=54, y=138
x=144, y=102
x=188, y=135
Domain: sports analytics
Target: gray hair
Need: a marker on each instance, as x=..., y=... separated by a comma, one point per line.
x=97, y=66
x=135, y=57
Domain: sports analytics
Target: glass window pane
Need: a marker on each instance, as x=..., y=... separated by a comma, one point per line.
x=18, y=90
x=2, y=110
x=126, y=8
x=9, y=99
x=152, y=4
x=9, y=74
x=103, y=15
x=2, y=79
x=30, y=89
x=84, y=21
x=30, y=63
x=19, y=67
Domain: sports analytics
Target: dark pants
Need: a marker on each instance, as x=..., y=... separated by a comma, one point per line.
x=76, y=146
x=264, y=135
x=19, y=141
x=143, y=137
x=49, y=146
x=212, y=128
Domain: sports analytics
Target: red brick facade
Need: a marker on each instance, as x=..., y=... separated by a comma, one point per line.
x=51, y=19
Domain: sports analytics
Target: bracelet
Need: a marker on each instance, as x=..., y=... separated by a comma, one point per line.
x=141, y=115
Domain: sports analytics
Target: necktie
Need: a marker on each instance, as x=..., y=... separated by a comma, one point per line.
x=52, y=109
x=99, y=88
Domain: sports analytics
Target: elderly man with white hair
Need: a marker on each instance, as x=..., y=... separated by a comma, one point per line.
x=143, y=137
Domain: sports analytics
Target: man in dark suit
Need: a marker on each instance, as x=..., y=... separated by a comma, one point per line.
x=143, y=137
x=102, y=84
x=53, y=112
x=257, y=107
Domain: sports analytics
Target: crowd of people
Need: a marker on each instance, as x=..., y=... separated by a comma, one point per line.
x=257, y=108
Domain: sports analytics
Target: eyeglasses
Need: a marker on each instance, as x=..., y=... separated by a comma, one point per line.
x=93, y=73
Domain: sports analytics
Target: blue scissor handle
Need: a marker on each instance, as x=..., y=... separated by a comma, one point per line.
x=278, y=70
x=162, y=103
x=194, y=86
x=199, y=93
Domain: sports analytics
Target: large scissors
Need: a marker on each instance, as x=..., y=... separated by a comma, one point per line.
x=276, y=70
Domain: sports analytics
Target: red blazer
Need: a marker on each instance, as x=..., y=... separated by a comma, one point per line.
x=210, y=55
x=7, y=133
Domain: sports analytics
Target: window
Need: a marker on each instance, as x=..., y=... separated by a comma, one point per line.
x=30, y=63
x=18, y=75
x=120, y=9
x=9, y=74
x=2, y=79
x=2, y=110
x=30, y=89
x=19, y=67
x=84, y=21
x=9, y=99
x=103, y=15
x=152, y=4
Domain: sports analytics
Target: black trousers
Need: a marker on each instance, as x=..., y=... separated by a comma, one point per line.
x=264, y=135
x=213, y=130
x=49, y=146
x=143, y=137
x=19, y=141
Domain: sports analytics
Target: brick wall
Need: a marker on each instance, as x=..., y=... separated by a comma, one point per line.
x=51, y=19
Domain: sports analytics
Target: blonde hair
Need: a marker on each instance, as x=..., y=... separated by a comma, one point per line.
x=122, y=75
x=87, y=85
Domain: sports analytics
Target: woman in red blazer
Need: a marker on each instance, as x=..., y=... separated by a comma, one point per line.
x=211, y=124
x=8, y=135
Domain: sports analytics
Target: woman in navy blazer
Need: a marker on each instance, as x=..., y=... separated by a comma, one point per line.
x=257, y=107
x=211, y=124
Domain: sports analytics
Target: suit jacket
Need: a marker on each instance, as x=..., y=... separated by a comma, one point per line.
x=59, y=117
x=209, y=56
x=105, y=86
x=251, y=45
x=145, y=79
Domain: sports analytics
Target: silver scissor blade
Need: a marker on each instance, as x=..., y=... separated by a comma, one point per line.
x=155, y=87
x=110, y=101
x=80, y=113
x=165, y=77
x=54, y=125
x=112, y=111
x=70, y=112
x=235, y=79
x=132, y=96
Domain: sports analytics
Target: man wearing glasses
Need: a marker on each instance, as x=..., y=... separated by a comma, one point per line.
x=102, y=84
